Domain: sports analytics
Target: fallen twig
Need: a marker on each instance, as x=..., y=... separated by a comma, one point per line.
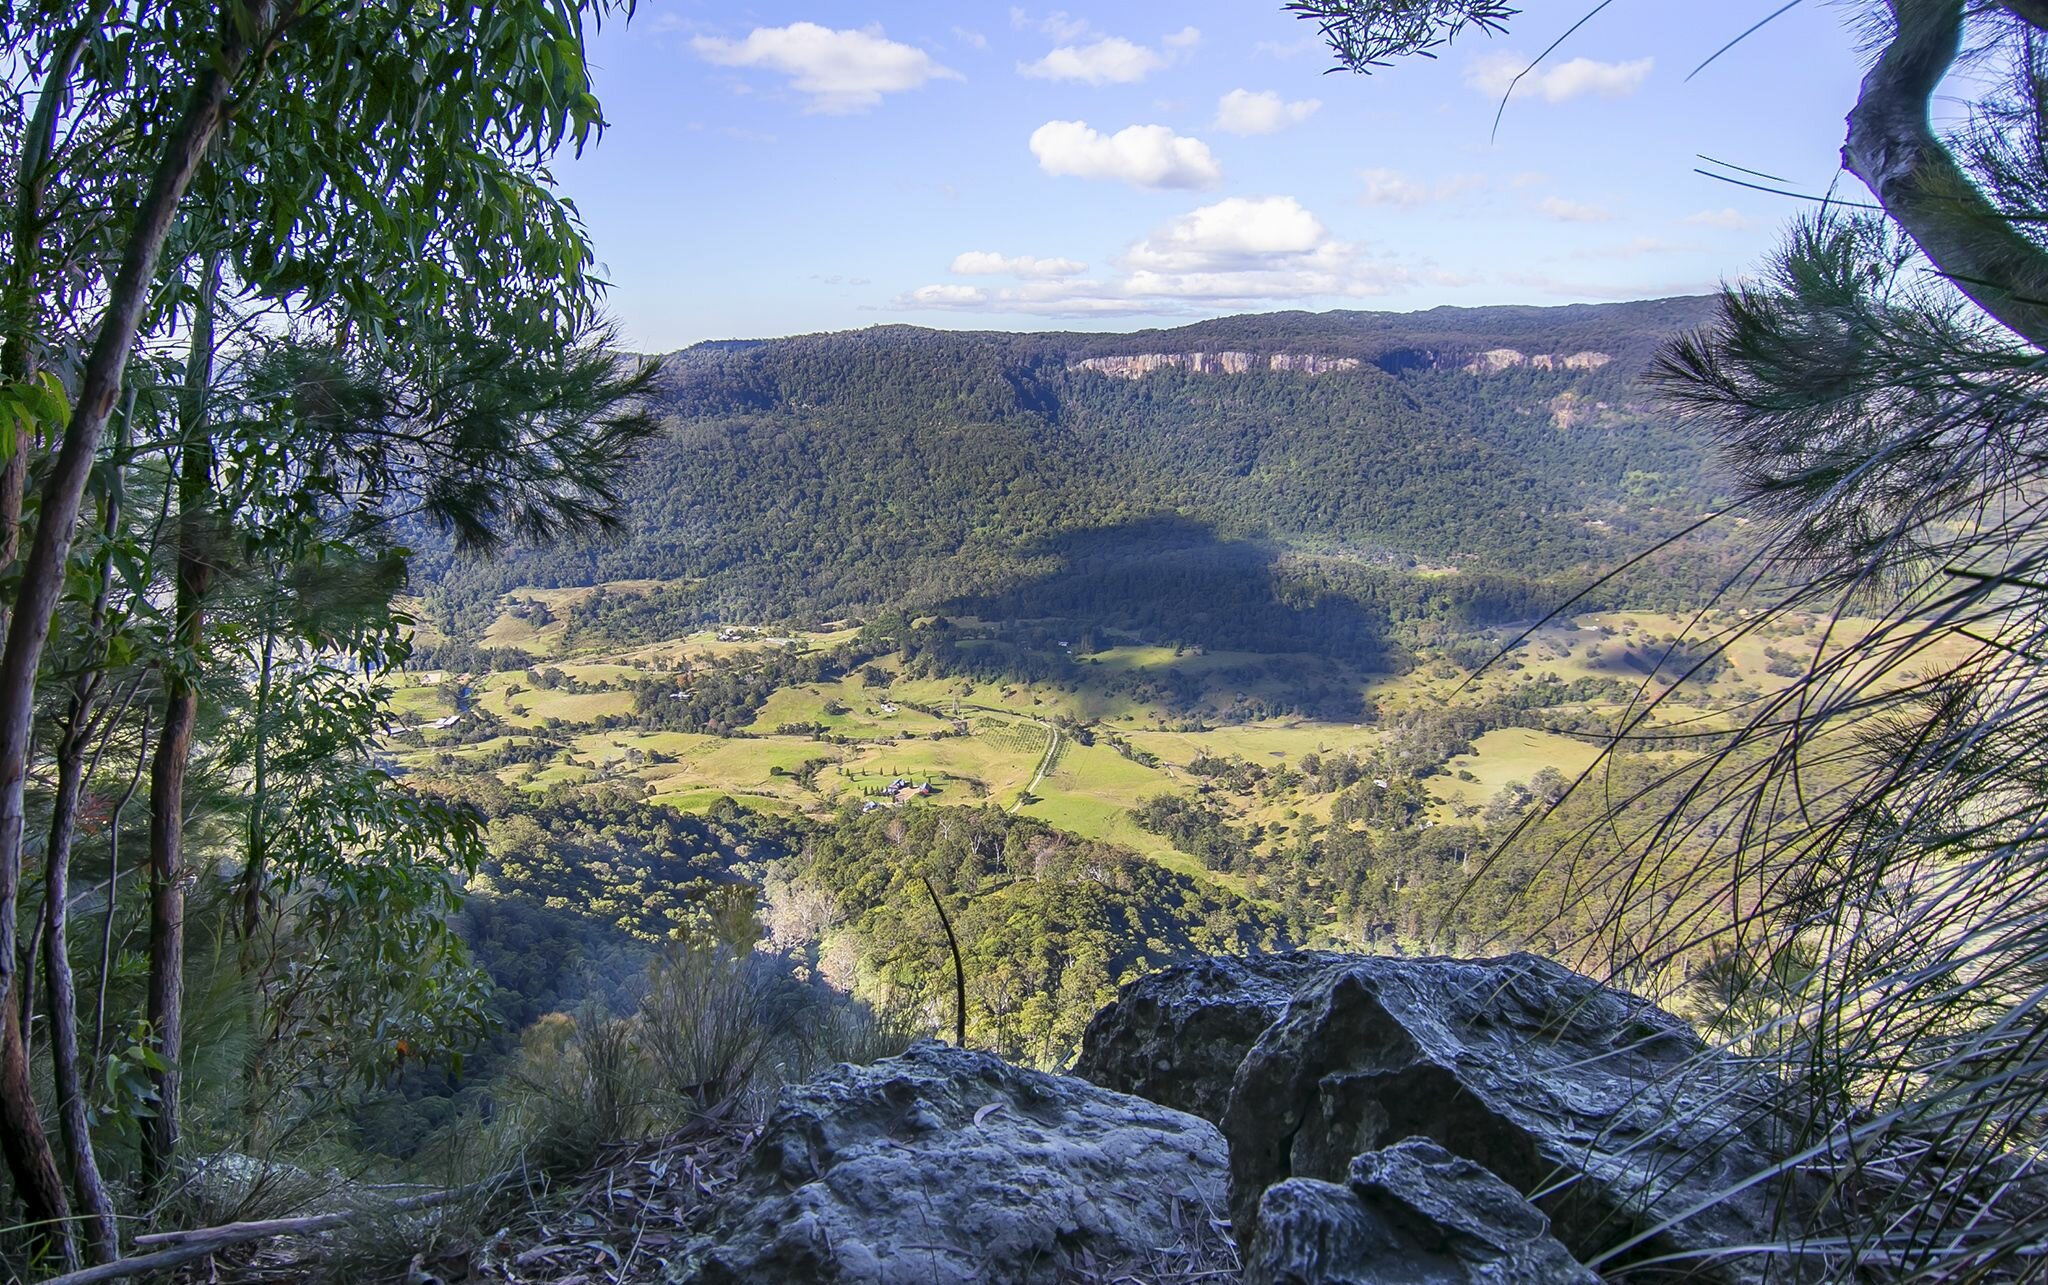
x=200, y=1242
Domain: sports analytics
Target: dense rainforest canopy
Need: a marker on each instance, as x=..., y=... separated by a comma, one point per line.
x=983, y=474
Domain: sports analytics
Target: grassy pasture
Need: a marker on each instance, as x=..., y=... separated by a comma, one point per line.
x=539, y=704
x=1092, y=788
x=1507, y=755
x=419, y=702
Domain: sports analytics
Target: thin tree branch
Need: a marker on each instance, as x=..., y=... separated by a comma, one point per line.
x=959, y=969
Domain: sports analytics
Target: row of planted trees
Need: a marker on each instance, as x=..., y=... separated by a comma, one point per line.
x=280, y=281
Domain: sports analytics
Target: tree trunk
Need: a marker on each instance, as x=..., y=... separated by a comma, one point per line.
x=99, y=1006
x=174, y=747
x=93, y=1200
x=1893, y=148
x=42, y=575
x=102, y=1237
x=22, y=1140
x=29, y=1158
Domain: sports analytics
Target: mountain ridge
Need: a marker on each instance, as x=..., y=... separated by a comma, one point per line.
x=897, y=466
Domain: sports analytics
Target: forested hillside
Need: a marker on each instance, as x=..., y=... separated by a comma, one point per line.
x=818, y=476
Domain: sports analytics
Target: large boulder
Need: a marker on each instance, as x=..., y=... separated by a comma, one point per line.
x=1412, y=1214
x=945, y=1166
x=1176, y=1036
x=1604, y=1110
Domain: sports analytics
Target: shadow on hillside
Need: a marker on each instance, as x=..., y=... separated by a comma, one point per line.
x=1172, y=581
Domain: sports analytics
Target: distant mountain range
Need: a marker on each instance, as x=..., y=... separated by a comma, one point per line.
x=1451, y=459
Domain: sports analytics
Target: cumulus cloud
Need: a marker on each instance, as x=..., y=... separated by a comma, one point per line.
x=1141, y=155
x=841, y=71
x=1494, y=74
x=1392, y=187
x=1233, y=232
x=947, y=296
x=1059, y=24
x=1566, y=211
x=1243, y=112
x=987, y=263
x=1239, y=252
x=1110, y=60
x=1728, y=220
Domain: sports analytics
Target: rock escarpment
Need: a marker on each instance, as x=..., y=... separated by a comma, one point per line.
x=1495, y=360
x=1139, y=365
x=1602, y=1109
x=1492, y=361
x=1413, y=1214
x=1383, y=1122
x=1177, y=1036
x=945, y=1166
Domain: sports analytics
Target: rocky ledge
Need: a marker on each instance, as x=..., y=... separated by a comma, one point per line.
x=1382, y=1122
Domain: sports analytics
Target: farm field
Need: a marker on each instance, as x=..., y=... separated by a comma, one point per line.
x=843, y=742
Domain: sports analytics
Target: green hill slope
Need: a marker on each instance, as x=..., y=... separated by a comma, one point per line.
x=1078, y=475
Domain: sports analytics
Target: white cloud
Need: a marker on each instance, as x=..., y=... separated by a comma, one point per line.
x=1059, y=24
x=1243, y=112
x=1392, y=187
x=948, y=296
x=1233, y=232
x=970, y=38
x=987, y=263
x=1112, y=60
x=1141, y=155
x=1495, y=73
x=1564, y=211
x=1109, y=61
x=842, y=71
x=1239, y=252
x=1728, y=220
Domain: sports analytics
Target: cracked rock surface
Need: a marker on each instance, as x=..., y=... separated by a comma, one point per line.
x=949, y=1166
x=1604, y=1110
x=1413, y=1214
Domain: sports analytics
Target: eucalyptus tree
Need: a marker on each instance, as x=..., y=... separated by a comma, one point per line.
x=1868, y=844
x=373, y=173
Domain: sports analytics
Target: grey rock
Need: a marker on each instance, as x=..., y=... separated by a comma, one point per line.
x=1412, y=1214
x=945, y=1166
x=1604, y=1110
x=1176, y=1036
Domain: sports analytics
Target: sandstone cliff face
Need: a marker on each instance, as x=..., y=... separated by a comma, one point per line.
x=1495, y=360
x=1139, y=365
x=1491, y=362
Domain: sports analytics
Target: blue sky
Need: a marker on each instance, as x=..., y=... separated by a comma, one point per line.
x=778, y=168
